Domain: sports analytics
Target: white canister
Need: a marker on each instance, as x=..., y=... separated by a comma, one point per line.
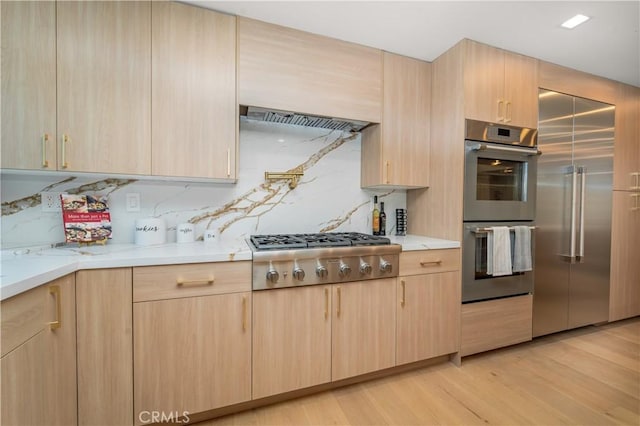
x=185, y=233
x=209, y=235
x=150, y=231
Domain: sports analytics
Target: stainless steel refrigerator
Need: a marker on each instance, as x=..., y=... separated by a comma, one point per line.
x=573, y=213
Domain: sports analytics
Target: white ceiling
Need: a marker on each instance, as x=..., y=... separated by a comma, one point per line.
x=608, y=45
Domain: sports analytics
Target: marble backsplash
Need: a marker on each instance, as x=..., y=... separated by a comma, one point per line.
x=327, y=198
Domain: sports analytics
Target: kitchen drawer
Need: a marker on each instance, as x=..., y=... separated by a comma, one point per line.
x=496, y=323
x=429, y=261
x=187, y=280
x=23, y=316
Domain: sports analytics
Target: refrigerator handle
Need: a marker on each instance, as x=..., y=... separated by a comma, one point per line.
x=572, y=230
x=583, y=184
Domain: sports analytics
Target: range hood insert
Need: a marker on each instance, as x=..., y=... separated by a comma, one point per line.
x=299, y=119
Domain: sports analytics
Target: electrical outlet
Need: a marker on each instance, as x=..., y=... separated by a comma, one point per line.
x=133, y=202
x=51, y=201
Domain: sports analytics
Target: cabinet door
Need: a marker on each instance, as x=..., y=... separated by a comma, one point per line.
x=624, y=299
x=39, y=372
x=194, y=115
x=28, y=85
x=22, y=387
x=395, y=152
x=104, y=86
x=428, y=320
x=484, y=83
x=60, y=353
x=521, y=90
x=291, y=339
x=363, y=327
x=291, y=70
x=105, y=347
x=192, y=354
x=626, y=159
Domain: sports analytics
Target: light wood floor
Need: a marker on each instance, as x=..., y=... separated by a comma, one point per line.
x=589, y=376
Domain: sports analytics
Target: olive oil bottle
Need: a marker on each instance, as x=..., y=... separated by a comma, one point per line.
x=375, y=217
x=383, y=220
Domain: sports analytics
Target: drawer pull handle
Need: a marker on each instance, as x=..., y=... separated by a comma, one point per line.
x=433, y=262
x=403, y=284
x=180, y=282
x=55, y=291
x=339, y=302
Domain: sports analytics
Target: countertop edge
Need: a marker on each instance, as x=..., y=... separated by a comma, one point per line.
x=69, y=264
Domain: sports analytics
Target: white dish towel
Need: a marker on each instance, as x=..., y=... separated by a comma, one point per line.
x=499, y=251
x=522, y=249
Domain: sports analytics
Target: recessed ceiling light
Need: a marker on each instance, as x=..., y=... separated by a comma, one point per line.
x=571, y=23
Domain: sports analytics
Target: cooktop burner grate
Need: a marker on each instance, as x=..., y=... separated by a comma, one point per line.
x=331, y=239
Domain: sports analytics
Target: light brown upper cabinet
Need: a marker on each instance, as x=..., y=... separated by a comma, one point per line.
x=291, y=70
x=395, y=152
x=194, y=109
x=28, y=85
x=500, y=86
x=104, y=86
x=626, y=158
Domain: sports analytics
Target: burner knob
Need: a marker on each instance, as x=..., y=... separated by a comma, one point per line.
x=385, y=266
x=272, y=276
x=298, y=274
x=322, y=272
x=344, y=271
x=365, y=268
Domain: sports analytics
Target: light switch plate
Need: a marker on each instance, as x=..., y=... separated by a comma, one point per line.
x=51, y=201
x=133, y=202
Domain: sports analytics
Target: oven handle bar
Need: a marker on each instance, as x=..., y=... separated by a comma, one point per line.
x=486, y=230
x=520, y=150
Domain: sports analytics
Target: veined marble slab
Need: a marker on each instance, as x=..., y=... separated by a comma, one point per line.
x=327, y=198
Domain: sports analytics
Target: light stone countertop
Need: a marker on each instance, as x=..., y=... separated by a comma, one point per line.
x=24, y=269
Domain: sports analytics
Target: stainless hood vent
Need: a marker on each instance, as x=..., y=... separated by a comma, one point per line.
x=288, y=117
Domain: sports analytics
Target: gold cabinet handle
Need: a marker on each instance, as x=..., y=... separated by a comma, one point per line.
x=244, y=313
x=507, y=112
x=55, y=291
x=326, y=303
x=65, y=139
x=339, y=302
x=388, y=177
x=228, y=162
x=433, y=262
x=500, y=107
x=635, y=202
x=402, y=301
x=181, y=283
x=636, y=181
x=45, y=140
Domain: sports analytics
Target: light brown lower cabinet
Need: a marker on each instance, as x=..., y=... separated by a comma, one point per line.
x=105, y=347
x=428, y=316
x=363, y=327
x=191, y=353
x=312, y=335
x=624, y=299
x=38, y=364
x=496, y=323
x=291, y=339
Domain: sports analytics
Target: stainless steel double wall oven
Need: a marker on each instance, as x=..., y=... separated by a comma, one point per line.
x=499, y=190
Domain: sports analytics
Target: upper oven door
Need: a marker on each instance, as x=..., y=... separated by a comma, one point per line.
x=499, y=182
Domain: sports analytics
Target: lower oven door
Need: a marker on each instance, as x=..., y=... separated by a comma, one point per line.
x=477, y=285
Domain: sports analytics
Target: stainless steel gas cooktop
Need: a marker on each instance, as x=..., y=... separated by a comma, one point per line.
x=289, y=260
